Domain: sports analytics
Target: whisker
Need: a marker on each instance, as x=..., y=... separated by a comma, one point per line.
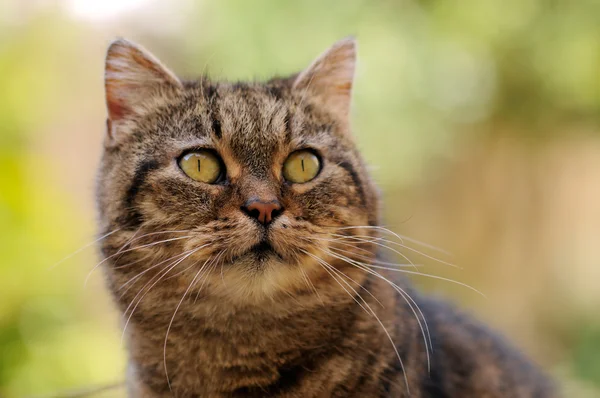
x=222, y=276
x=375, y=261
x=424, y=331
x=162, y=274
x=186, y=268
x=326, y=267
x=344, y=239
x=159, y=233
x=427, y=275
x=129, y=250
x=311, y=285
x=376, y=227
x=337, y=240
x=399, y=236
x=171, y=322
x=386, y=247
x=374, y=315
x=432, y=276
x=362, y=256
x=406, y=297
x=129, y=240
x=147, y=256
x=369, y=239
x=339, y=272
x=212, y=265
x=425, y=245
x=82, y=249
x=422, y=254
x=150, y=268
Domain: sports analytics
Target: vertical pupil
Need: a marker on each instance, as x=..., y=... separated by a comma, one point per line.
x=302, y=161
x=198, y=164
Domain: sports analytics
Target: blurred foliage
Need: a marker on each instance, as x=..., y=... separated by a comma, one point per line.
x=587, y=354
x=472, y=113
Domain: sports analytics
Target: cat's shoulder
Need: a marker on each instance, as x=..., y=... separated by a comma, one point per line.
x=468, y=359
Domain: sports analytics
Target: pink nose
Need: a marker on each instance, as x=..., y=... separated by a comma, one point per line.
x=263, y=212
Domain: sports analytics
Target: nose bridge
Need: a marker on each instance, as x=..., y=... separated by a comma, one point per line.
x=260, y=189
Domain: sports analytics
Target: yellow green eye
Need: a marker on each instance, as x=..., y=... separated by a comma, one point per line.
x=301, y=166
x=203, y=166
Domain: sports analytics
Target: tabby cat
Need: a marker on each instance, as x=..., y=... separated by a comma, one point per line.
x=242, y=239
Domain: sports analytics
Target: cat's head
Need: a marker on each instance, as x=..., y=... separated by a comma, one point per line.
x=248, y=187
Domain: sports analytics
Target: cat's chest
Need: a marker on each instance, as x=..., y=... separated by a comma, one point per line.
x=218, y=353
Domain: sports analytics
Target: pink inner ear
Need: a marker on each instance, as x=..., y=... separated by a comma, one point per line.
x=116, y=110
x=121, y=97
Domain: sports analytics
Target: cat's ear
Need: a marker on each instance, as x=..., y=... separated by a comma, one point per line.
x=131, y=74
x=330, y=77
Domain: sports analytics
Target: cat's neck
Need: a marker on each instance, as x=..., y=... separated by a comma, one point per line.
x=240, y=349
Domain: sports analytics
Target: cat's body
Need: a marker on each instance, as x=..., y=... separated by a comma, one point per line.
x=287, y=350
x=250, y=282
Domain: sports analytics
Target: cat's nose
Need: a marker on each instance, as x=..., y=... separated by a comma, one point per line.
x=263, y=211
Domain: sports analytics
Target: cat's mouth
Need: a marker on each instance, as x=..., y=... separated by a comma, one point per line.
x=261, y=251
x=262, y=248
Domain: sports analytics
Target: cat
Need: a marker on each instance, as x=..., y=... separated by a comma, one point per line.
x=242, y=244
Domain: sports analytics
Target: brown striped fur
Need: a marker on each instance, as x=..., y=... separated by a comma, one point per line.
x=245, y=324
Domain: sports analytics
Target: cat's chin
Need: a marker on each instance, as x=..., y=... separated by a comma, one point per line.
x=255, y=277
x=254, y=263
x=258, y=256
x=262, y=253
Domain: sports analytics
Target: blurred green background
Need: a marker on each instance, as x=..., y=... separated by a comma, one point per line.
x=480, y=119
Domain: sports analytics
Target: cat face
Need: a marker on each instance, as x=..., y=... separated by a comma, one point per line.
x=246, y=185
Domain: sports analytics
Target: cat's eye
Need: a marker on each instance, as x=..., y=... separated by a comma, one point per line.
x=202, y=165
x=301, y=166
